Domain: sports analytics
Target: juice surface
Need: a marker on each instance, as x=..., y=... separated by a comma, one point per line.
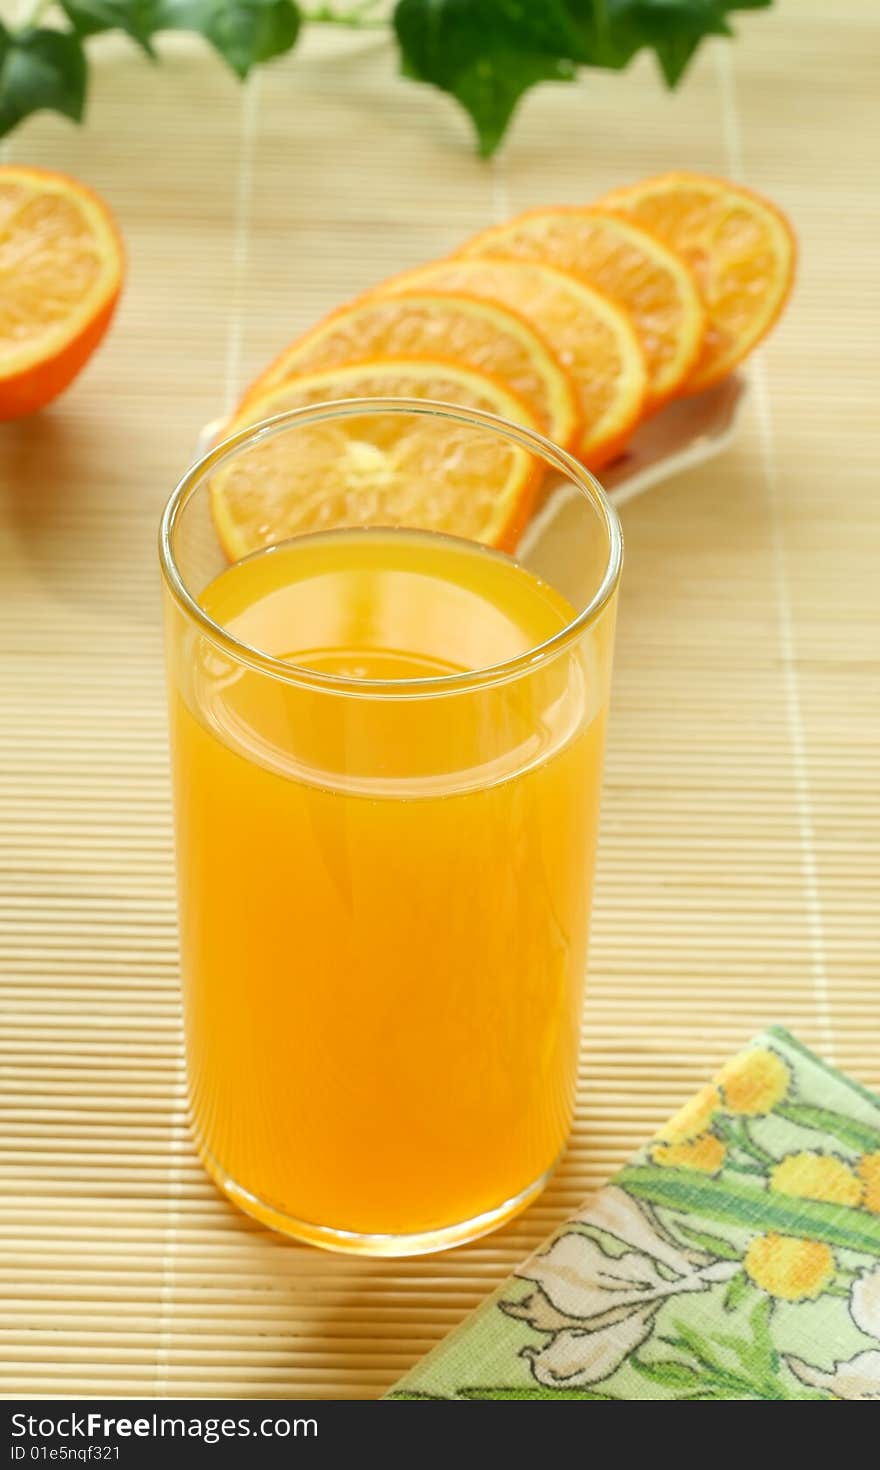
x=384, y=899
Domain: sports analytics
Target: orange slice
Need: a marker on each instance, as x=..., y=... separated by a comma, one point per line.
x=589, y=335
x=652, y=285
x=418, y=470
x=61, y=269
x=740, y=247
x=476, y=333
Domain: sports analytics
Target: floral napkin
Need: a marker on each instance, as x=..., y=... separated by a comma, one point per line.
x=736, y=1257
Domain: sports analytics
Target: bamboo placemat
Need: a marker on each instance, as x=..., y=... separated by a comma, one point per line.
x=738, y=861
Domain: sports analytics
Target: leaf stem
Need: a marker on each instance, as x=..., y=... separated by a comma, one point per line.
x=849, y=1131
x=738, y=1202
x=739, y=1168
x=717, y=1374
x=356, y=17
x=736, y=1132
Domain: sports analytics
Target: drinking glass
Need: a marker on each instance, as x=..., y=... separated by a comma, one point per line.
x=385, y=831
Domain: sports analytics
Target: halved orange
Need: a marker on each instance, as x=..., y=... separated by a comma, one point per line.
x=61, y=269
x=649, y=282
x=415, y=470
x=465, y=329
x=589, y=335
x=740, y=247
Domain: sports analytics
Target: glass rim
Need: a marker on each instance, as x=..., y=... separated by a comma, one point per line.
x=469, y=679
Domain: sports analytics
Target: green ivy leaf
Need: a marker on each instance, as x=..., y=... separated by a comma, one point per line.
x=40, y=69
x=613, y=31
x=244, y=32
x=487, y=53
x=137, y=18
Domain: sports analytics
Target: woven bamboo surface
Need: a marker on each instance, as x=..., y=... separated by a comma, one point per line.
x=739, y=855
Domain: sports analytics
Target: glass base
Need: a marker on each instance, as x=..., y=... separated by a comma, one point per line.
x=351, y=1242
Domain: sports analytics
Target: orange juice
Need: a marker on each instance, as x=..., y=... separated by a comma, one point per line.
x=384, y=887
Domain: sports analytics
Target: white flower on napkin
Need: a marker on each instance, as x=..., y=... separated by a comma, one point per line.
x=858, y=1377
x=599, y=1308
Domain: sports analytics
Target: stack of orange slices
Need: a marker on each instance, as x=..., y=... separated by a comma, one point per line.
x=577, y=321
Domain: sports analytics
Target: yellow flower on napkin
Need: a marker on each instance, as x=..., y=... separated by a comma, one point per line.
x=706, y=1153
x=791, y=1269
x=737, y=1256
x=868, y=1170
x=817, y=1176
x=754, y=1082
x=693, y=1119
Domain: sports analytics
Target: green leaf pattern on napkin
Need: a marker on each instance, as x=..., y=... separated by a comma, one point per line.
x=736, y=1257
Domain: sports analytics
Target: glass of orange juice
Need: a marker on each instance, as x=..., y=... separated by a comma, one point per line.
x=386, y=744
